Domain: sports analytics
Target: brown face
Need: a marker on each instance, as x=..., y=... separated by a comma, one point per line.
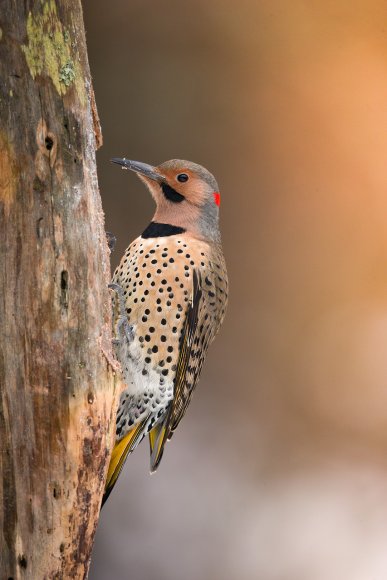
x=187, y=181
x=186, y=194
x=178, y=180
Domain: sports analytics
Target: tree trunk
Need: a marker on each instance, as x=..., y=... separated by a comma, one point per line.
x=57, y=371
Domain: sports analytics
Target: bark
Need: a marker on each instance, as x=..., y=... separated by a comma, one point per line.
x=57, y=372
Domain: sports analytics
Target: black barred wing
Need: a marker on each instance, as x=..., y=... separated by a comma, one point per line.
x=194, y=343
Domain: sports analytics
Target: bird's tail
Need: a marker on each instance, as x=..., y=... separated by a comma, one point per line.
x=120, y=452
x=157, y=439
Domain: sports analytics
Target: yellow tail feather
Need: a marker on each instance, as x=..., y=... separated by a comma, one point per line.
x=119, y=455
x=153, y=434
x=156, y=442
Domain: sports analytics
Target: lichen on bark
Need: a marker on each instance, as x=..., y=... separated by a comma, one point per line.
x=58, y=384
x=50, y=51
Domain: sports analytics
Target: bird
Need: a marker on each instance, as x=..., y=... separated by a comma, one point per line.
x=170, y=293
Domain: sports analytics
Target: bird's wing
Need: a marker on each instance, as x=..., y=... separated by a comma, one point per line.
x=193, y=345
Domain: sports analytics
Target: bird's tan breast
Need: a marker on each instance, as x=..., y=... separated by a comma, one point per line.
x=156, y=275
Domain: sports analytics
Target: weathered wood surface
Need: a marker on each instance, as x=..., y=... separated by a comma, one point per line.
x=57, y=375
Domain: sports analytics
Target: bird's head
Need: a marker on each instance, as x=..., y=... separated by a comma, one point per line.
x=186, y=195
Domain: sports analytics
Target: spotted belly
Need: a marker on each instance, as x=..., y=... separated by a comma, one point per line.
x=156, y=276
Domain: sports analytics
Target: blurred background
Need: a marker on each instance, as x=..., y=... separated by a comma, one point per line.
x=279, y=469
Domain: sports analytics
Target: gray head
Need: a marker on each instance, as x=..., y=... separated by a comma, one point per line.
x=186, y=195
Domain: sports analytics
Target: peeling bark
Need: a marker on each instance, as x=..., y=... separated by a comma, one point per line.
x=57, y=371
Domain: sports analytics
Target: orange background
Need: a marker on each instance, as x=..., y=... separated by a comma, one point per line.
x=279, y=469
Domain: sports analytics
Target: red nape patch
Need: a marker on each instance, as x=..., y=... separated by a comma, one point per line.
x=217, y=198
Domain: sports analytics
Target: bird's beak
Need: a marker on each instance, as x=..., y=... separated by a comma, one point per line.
x=141, y=168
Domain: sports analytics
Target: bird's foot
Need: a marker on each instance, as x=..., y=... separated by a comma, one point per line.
x=123, y=327
x=121, y=297
x=111, y=241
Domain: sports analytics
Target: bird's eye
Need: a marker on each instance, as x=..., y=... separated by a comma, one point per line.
x=182, y=177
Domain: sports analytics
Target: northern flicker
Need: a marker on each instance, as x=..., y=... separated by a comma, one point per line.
x=169, y=302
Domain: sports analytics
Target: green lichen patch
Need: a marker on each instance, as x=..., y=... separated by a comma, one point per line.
x=67, y=73
x=49, y=52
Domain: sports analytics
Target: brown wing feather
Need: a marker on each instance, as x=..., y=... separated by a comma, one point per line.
x=180, y=400
x=203, y=319
x=181, y=393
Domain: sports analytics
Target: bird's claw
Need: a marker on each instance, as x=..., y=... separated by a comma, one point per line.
x=122, y=323
x=111, y=240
